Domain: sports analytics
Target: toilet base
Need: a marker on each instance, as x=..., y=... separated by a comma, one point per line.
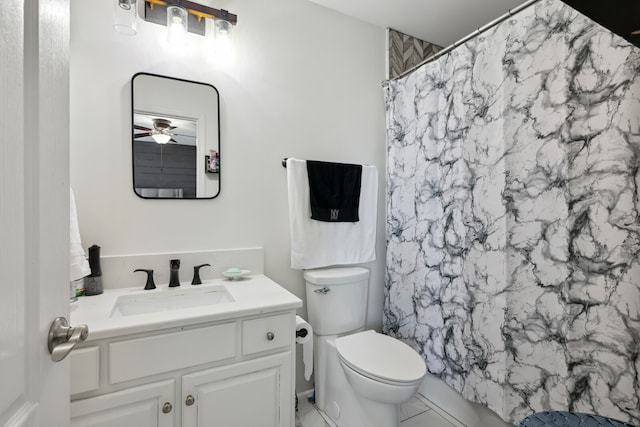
x=382, y=417
x=340, y=403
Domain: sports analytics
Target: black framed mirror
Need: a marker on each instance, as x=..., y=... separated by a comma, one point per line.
x=175, y=138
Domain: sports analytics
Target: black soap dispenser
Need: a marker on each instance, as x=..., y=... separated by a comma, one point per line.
x=93, y=282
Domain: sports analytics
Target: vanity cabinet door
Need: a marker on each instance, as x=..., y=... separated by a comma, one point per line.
x=150, y=405
x=252, y=393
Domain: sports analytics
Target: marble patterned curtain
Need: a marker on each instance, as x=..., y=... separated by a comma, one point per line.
x=513, y=221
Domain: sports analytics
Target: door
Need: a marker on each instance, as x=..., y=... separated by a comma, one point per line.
x=34, y=203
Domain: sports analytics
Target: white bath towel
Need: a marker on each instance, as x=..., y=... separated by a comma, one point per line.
x=317, y=244
x=78, y=264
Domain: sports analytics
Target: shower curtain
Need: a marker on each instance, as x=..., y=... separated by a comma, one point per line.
x=513, y=222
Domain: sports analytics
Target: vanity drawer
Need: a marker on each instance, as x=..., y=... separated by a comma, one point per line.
x=84, y=369
x=267, y=333
x=157, y=354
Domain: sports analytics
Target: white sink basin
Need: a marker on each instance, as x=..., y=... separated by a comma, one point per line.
x=170, y=299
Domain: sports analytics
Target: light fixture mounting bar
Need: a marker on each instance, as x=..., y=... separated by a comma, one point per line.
x=198, y=10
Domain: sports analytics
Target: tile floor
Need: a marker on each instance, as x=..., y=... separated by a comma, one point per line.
x=415, y=413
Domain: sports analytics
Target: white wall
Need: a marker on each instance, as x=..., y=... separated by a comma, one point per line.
x=306, y=83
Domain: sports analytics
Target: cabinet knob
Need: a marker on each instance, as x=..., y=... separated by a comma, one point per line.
x=270, y=336
x=167, y=407
x=189, y=400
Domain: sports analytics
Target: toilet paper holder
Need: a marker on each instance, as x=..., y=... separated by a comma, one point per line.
x=304, y=337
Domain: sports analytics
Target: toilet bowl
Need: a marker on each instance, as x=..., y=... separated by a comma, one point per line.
x=361, y=377
x=380, y=368
x=383, y=372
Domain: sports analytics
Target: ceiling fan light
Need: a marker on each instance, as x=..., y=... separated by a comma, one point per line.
x=161, y=138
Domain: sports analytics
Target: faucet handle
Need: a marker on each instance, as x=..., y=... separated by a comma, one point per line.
x=150, y=284
x=196, y=273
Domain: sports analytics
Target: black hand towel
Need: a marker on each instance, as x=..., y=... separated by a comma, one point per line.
x=334, y=190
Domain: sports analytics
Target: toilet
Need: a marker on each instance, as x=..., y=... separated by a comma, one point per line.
x=361, y=377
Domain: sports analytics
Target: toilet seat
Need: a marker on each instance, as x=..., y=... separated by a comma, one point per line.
x=381, y=357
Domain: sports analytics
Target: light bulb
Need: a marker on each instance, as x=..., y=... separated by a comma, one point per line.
x=177, y=26
x=223, y=46
x=161, y=138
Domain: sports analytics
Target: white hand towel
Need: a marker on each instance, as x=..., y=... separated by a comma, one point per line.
x=78, y=264
x=317, y=244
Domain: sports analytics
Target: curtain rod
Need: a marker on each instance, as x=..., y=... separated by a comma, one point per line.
x=477, y=32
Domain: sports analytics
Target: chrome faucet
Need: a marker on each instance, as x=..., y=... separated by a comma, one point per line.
x=174, y=279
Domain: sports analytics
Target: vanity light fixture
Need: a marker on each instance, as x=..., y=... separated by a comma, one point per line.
x=177, y=24
x=125, y=17
x=223, y=36
x=182, y=16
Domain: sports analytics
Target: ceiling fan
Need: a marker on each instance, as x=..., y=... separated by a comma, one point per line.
x=161, y=132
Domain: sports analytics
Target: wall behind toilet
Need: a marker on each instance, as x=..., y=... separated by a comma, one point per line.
x=305, y=83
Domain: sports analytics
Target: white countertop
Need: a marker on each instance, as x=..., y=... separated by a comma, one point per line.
x=256, y=294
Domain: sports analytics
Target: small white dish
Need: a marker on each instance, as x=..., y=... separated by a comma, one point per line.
x=236, y=275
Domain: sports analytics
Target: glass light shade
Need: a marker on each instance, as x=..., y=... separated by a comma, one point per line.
x=177, y=23
x=161, y=138
x=125, y=16
x=223, y=39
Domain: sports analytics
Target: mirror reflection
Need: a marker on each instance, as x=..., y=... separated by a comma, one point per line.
x=176, y=148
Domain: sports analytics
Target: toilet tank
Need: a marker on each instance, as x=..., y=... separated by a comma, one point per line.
x=337, y=299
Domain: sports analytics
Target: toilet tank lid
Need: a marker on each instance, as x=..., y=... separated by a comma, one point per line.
x=336, y=276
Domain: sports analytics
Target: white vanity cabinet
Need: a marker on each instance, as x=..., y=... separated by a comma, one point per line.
x=231, y=373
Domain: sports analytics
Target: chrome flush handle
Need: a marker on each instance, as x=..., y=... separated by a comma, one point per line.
x=324, y=290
